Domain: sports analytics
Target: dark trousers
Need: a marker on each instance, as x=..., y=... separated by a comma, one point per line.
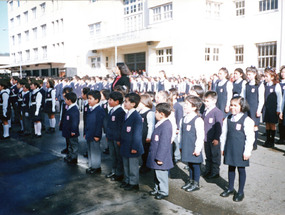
x=213, y=157
x=242, y=178
x=72, y=147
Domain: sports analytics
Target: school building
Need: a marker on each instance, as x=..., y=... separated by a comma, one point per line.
x=182, y=37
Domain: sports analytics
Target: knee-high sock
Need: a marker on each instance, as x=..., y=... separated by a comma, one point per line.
x=50, y=123
x=256, y=136
x=273, y=136
x=5, y=130
x=36, y=128
x=242, y=178
x=53, y=122
x=268, y=132
x=39, y=126
x=231, y=175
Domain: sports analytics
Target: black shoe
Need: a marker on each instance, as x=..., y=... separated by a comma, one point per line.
x=213, y=176
x=267, y=144
x=254, y=147
x=110, y=175
x=193, y=187
x=64, y=151
x=131, y=187
x=20, y=132
x=160, y=196
x=106, y=151
x=117, y=178
x=70, y=160
x=153, y=193
x=93, y=170
x=281, y=142
x=38, y=136
x=50, y=130
x=123, y=184
x=187, y=185
x=238, y=197
x=85, y=155
x=227, y=193
x=5, y=138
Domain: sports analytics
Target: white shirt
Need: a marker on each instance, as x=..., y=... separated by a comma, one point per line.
x=69, y=107
x=38, y=100
x=91, y=108
x=129, y=113
x=5, y=98
x=248, y=131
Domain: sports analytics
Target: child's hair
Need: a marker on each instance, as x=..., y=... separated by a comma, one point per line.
x=164, y=108
x=15, y=78
x=95, y=94
x=195, y=101
x=134, y=98
x=146, y=100
x=281, y=68
x=67, y=90
x=244, y=107
x=123, y=68
x=5, y=83
x=272, y=73
x=225, y=70
x=51, y=83
x=36, y=83
x=163, y=94
x=22, y=81
x=254, y=70
x=173, y=92
x=106, y=93
x=85, y=90
x=71, y=96
x=211, y=94
x=117, y=96
x=240, y=71
x=152, y=95
x=27, y=85
x=163, y=72
x=199, y=90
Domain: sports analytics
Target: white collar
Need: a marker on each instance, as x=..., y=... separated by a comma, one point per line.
x=91, y=108
x=160, y=122
x=72, y=105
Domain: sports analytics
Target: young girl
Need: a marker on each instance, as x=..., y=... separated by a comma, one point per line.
x=35, y=107
x=191, y=138
x=254, y=95
x=272, y=105
x=224, y=89
x=239, y=83
x=236, y=144
x=49, y=105
x=281, y=124
x=148, y=119
x=5, y=108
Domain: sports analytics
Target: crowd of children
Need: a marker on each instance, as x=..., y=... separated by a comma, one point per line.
x=147, y=128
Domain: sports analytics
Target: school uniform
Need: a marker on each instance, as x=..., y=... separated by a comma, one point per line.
x=160, y=150
x=49, y=105
x=35, y=105
x=224, y=91
x=213, y=121
x=115, y=122
x=25, y=113
x=178, y=114
x=131, y=138
x=42, y=112
x=93, y=128
x=5, y=111
x=13, y=102
x=281, y=124
x=85, y=111
x=70, y=124
x=19, y=105
x=239, y=88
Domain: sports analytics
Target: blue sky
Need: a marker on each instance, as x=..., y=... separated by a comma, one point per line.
x=4, y=38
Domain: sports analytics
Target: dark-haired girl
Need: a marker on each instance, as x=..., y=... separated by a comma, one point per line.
x=5, y=108
x=254, y=95
x=236, y=145
x=239, y=83
x=272, y=105
x=35, y=107
x=49, y=105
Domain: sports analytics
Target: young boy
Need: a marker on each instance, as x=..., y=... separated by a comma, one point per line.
x=25, y=109
x=93, y=131
x=84, y=93
x=115, y=122
x=213, y=120
x=131, y=143
x=70, y=127
x=160, y=157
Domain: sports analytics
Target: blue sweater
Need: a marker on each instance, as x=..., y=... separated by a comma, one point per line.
x=70, y=122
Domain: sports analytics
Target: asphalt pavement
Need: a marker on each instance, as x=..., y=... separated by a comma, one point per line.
x=34, y=179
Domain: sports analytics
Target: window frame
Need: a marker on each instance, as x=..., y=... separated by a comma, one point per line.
x=265, y=55
x=164, y=55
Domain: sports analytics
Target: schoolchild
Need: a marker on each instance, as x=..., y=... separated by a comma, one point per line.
x=162, y=84
x=239, y=83
x=5, y=107
x=84, y=93
x=272, y=105
x=213, y=121
x=104, y=104
x=197, y=90
x=191, y=139
x=63, y=109
x=93, y=131
x=115, y=122
x=281, y=124
x=148, y=119
x=131, y=147
x=13, y=99
x=160, y=155
x=19, y=104
x=236, y=144
x=26, y=95
x=35, y=107
x=49, y=105
x=70, y=127
x=42, y=112
x=255, y=98
x=224, y=89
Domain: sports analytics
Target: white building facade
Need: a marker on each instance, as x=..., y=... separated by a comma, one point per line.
x=183, y=37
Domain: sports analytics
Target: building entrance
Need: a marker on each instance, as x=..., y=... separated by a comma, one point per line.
x=135, y=61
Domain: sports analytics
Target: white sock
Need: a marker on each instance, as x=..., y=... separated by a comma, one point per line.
x=50, y=122
x=9, y=122
x=36, y=128
x=22, y=125
x=39, y=125
x=6, y=130
x=53, y=122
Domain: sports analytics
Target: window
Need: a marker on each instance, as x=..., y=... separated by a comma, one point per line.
x=19, y=38
x=212, y=53
x=240, y=7
x=238, y=54
x=44, y=50
x=43, y=8
x=26, y=15
x=27, y=35
x=34, y=12
x=107, y=62
x=12, y=22
x=44, y=28
x=267, y=54
x=164, y=56
x=132, y=6
x=133, y=23
x=268, y=5
x=11, y=5
x=20, y=57
x=95, y=62
x=35, y=33
x=95, y=29
x=13, y=40
x=36, y=53
x=27, y=55
x=162, y=13
x=213, y=9
x=13, y=57
x=18, y=20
